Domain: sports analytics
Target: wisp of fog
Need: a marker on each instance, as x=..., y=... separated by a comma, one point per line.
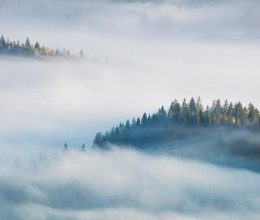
x=125, y=184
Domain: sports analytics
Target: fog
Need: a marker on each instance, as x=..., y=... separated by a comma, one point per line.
x=140, y=55
x=124, y=184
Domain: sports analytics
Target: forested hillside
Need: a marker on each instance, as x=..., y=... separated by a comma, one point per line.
x=180, y=121
x=26, y=49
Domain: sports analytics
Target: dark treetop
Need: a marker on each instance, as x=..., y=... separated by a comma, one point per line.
x=180, y=121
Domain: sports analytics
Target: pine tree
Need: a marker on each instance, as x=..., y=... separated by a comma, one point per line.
x=121, y=127
x=252, y=115
x=83, y=148
x=98, y=139
x=239, y=113
x=37, y=46
x=127, y=124
x=175, y=112
x=192, y=116
x=65, y=148
x=126, y=132
x=245, y=117
x=192, y=106
x=225, y=108
x=230, y=114
x=27, y=43
x=138, y=122
x=144, y=119
x=199, y=105
x=207, y=120
x=154, y=119
x=225, y=111
x=3, y=42
x=218, y=111
x=116, y=136
x=213, y=107
x=133, y=123
x=162, y=114
x=81, y=54
x=57, y=52
x=185, y=110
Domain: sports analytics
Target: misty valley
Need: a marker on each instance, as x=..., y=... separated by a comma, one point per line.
x=220, y=132
x=158, y=118
x=182, y=161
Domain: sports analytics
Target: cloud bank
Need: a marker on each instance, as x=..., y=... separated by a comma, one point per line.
x=125, y=184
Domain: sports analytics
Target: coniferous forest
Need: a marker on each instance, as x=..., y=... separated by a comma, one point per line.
x=109, y=135
x=182, y=120
x=26, y=49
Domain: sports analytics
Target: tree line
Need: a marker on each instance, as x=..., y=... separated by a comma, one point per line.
x=26, y=49
x=180, y=121
x=66, y=147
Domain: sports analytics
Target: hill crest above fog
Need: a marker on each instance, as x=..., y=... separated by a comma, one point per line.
x=26, y=49
x=181, y=121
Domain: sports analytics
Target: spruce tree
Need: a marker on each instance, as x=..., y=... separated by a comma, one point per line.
x=37, y=46
x=81, y=54
x=144, y=119
x=3, y=42
x=192, y=106
x=252, y=115
x=238, y=113
x=27, y=43
x=83, y=148
x=66, y=147
x=99, y=138
x=175, y=112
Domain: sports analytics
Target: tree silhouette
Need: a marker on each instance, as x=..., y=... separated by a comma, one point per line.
x=83, y=148
x=181, y=121
x=27, y=42
x=81, y=54
x=66, y=147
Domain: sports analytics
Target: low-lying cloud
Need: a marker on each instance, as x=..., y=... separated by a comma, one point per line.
x=140, y=55
x=125, y=184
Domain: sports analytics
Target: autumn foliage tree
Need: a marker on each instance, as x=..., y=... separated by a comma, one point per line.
x=26, y=49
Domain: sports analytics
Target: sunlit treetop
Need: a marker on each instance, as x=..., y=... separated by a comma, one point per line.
x=26, y=49
x=181, y=120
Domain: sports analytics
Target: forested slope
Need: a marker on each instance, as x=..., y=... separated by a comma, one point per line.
x=181, y=121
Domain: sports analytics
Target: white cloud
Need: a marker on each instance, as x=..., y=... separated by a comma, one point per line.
x=127, y=183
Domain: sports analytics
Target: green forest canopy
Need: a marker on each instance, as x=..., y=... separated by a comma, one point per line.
x=165, y=125
x=27, y=49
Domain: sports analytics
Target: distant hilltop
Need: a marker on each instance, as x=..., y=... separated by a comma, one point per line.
x=26, y=49
x=179, y=122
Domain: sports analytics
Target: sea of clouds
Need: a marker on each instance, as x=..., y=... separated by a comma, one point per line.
x=139, y=55
x=125, y=184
